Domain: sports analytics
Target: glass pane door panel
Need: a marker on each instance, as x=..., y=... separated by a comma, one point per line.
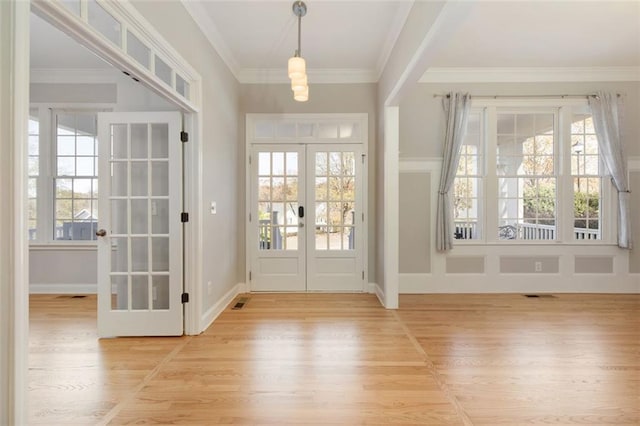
x=160, y=141
x=160, y=291
x=139, y=141
x=139, y=178
x=160, y=178
x=278, y=200
x=119, y=175
x=119, y=141
x=159, y=216
x=119, y=217
x=139, y=216
x=139, y=254
x=139, y=292
x=119, y=254
x=119, y=292
x=160, y=254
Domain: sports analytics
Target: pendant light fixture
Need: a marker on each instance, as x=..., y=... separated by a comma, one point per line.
x=297, y=66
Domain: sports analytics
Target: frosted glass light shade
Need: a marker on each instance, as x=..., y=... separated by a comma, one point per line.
x=298, y=84
x=301, y=95
x=297, y=67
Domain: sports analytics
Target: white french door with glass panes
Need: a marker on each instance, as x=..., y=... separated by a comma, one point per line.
x=140, y=231
x=306, y=227
x=334, y=198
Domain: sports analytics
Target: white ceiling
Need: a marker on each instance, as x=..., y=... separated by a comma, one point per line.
x=50, y=49
x=357, y=36
x=545, y=34
x=342, y=38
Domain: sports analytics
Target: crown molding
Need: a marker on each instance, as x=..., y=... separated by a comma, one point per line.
x=74, y=75
x=208, y=28
x=316, y=76
x=392, y=37
x=520, y=75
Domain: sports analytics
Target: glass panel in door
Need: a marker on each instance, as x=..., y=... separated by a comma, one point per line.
x=334, y=201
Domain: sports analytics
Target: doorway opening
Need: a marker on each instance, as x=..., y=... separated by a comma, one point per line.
x=307, y=203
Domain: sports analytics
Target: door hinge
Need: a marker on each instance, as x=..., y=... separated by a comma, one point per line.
x=363, y=155
x=363, y=216
x=249, y=217
x=249, y=159
x=185, y=298
x=184, y=217
x=184, y=136
x=363, y=275
x=249, y=275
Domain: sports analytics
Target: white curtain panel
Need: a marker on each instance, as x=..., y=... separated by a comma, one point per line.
x=457, y=107
x=606, y=111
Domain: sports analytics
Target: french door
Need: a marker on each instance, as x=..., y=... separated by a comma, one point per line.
x=306, y=219
x=140, y=235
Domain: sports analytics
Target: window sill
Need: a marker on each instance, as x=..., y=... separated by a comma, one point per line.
x=507, y=243
x=63, y=245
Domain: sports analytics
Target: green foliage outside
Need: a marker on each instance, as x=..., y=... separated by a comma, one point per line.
x=542, y=206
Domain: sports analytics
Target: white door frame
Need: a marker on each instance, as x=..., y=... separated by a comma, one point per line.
x=14, y=256
x=59, y=16
x=362, y=138
x=14, y=273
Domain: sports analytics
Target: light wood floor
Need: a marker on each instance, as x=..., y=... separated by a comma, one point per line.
x=311, y=359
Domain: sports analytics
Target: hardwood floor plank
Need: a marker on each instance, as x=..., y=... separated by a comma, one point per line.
x=340, y=359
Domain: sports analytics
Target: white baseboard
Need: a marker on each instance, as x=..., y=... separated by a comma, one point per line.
x=371, y=288
x=518, y=283
x=44, y=288
x=379, y=292
x=213, y=312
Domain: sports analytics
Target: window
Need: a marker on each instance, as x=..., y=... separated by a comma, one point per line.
x=75, y=176
x=34, y=171
x=467, y=186
x=530, y=171
x=587, y=182
x=526, y=176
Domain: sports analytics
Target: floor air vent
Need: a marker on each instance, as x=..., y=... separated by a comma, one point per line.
x=240, y=303
x=547, y=296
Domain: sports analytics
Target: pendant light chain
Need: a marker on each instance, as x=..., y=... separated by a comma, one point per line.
x=297, y=67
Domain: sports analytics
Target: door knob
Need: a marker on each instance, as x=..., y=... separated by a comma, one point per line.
x=101, y=233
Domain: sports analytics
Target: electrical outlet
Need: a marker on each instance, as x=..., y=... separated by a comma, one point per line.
x=214, y=208
x=538, y=266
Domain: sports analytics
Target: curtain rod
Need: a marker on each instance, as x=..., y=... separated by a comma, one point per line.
x=436, y=95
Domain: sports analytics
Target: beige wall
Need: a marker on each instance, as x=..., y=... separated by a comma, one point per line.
x=219, y=117
x=323, y=98
x=415, y=208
